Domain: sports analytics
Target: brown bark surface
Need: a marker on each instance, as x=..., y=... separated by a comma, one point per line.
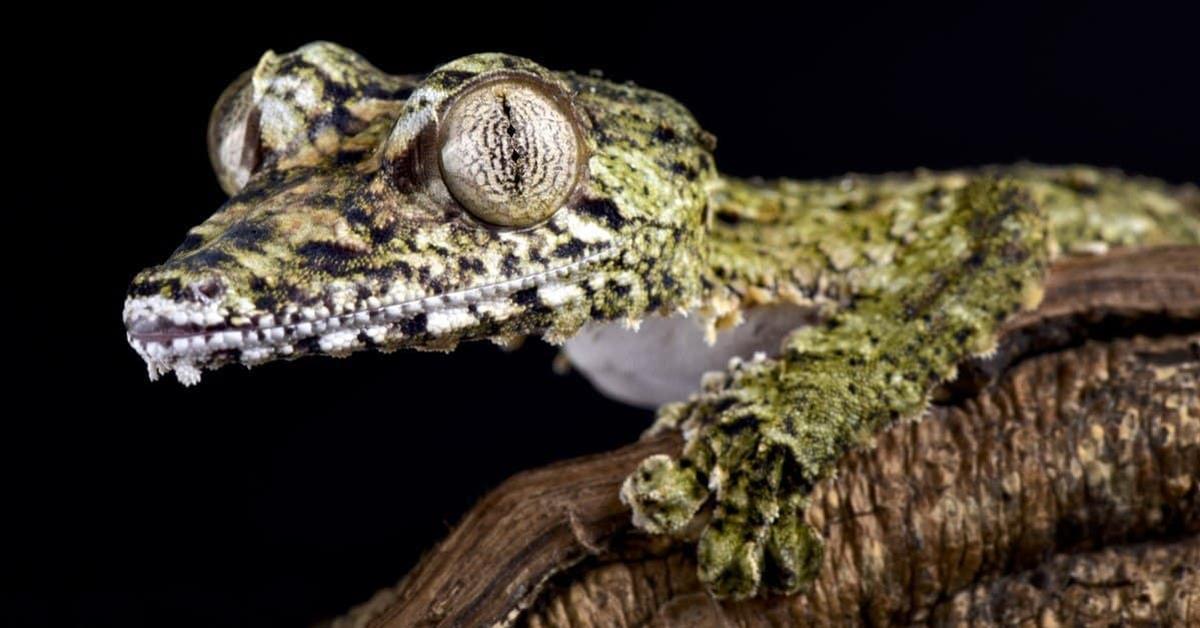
x=1055, y=482
x=953, y=517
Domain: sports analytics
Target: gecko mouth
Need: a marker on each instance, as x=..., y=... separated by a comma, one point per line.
x=186, y=336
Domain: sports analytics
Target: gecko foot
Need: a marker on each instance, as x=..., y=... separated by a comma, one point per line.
x=743, y=454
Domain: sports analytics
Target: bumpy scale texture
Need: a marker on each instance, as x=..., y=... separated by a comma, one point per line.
x=342, y=234
x=770, y=428
x=338, y=249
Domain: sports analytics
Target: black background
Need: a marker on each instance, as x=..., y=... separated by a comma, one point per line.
x=286, y=495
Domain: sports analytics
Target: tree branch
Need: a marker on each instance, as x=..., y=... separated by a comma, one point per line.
x=1057, y=479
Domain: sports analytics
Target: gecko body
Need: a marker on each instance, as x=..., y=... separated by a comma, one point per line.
x=492, y=199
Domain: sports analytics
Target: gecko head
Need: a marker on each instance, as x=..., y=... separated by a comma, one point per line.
x=488, y=199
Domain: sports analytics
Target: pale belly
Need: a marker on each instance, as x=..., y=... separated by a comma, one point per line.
x=664, y=359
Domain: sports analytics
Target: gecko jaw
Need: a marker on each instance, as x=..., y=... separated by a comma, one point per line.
x=187, y=336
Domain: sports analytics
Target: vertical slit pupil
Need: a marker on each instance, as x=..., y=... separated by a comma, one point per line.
x=511, y=130
x=489, y=169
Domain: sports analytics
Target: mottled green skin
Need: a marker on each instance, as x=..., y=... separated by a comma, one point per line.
x=770, y=428
x=915, y=273
x=336, y=217
x=317, y=106
x=821, y=242
x=352, y=230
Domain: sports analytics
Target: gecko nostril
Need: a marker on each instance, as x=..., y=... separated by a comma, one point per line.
x=205, y=290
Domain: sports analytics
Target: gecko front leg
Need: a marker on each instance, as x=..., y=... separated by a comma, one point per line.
x=762, y=434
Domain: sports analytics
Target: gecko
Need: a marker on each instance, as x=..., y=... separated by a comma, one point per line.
x=778, y=324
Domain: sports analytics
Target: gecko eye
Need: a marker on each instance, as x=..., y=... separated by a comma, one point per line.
x=509, y=152
x=234, y=145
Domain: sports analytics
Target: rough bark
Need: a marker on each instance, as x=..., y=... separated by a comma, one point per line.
x=1055, y=481
x=1072, y=451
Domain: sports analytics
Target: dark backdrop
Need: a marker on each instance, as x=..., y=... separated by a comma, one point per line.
x=286, y=495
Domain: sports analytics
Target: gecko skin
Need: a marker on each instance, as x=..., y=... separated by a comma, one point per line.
x=493, y=198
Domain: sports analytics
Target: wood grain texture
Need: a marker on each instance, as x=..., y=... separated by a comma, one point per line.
x=1069, y=457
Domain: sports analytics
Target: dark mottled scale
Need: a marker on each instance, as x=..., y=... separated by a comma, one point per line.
x=329, y=257
x=570, y=249
x=190, y=243
x=526, y=297
x=604, y=209
x=312, y=344
x=248, y=234
x=471, y=265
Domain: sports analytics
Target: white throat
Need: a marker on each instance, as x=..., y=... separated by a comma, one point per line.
x=664, y=359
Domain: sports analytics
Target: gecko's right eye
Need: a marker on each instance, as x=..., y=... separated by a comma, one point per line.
x=510, y=151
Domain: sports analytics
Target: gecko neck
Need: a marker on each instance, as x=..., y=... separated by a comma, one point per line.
x=747, y=292
x=770, y=243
